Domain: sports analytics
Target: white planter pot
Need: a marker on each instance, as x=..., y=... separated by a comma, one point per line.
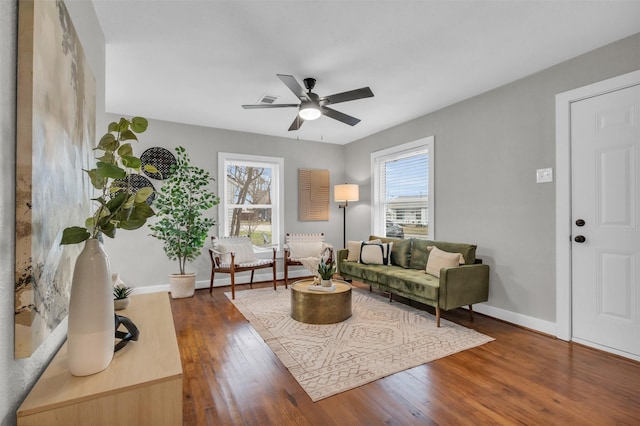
x=182, y=285
x=326, y=283
x=91, y=327
x=120, y=304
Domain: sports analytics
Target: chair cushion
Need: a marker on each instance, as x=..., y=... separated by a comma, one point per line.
x=375, y=254
x=243, y=252
x=441, y=259
x=300, y=250
x=257, y=262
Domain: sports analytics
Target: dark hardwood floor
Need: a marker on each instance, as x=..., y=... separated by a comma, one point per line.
x=231, y=377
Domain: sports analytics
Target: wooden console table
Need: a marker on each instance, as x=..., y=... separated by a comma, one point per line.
x=141, y=386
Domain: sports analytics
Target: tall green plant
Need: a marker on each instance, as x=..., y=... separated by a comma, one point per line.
x=180, y=204
x=120, y=205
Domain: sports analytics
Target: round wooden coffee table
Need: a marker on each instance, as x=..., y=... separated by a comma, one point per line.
x=320, y=307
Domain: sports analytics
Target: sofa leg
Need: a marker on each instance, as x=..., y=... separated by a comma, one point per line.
x=437, y=316
x=390, y=297
x=370, y=290
x=471, y=312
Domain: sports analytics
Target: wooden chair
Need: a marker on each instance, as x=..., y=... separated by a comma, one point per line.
x=300, y=249
x=230, y=255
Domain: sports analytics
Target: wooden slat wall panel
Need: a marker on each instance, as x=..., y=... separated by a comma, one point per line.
x=313, y=194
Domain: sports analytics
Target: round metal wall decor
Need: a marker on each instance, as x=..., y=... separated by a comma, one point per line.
x=138, y=182
x=160, y=158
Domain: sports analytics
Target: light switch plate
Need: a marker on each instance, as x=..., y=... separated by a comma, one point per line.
x=544, y=175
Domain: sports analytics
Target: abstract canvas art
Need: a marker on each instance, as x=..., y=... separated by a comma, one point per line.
x=55, y=136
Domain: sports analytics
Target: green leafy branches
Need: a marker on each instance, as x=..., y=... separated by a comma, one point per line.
x=120, y=205
x=180, y=204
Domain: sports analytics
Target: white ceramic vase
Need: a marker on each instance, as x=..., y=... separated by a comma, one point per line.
x=326, y=283
x=182, y=285
x=91, y=326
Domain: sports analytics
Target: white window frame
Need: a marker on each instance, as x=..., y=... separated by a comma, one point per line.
x=378, y=220
x=277, y=191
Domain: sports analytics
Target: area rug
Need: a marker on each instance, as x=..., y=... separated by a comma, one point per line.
x=380, y=339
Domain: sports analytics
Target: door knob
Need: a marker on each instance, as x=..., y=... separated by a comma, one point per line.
x=580, y=239
x=580, y=222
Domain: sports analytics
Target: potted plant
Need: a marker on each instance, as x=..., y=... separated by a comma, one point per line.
x=180, y=203
x=91, y=325
x=121, y=295
x=326, y=269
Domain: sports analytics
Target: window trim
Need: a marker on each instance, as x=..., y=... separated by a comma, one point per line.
x=378, y=222
x=277, y=196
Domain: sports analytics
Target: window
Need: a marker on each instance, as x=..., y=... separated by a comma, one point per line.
x=251, y=188
x=403, y=190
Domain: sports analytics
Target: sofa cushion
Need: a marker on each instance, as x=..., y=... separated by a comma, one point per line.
x=420, y=253
x=410, y=281
x=364, y=272
x=439, y=259
x=401, y=253
x=376, y=254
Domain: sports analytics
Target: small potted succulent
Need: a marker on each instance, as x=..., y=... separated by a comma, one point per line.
x=326, y=269
x=121, y=295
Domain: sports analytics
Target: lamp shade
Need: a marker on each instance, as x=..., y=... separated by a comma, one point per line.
x=346, y=192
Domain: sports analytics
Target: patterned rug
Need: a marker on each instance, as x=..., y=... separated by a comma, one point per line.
x=380, y=339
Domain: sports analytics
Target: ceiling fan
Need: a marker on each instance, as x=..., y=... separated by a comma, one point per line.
x=312, y=106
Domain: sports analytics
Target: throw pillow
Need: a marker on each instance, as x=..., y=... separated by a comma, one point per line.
x=300, y=250
x=375, y=254
x=441, y=259
x=354, y=249
x=243, y=252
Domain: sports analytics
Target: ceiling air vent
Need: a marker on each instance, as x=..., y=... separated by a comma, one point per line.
x=267, y=99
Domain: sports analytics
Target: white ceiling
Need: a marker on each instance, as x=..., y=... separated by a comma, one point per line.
x=196, y=62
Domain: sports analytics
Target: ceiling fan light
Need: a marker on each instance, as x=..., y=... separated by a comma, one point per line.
x=309, y=111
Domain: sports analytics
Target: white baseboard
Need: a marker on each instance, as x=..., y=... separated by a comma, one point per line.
x=536, y=324
x=223, y=280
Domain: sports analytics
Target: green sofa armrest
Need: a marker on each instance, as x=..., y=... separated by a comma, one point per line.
x=342, y=256
x=463, y=285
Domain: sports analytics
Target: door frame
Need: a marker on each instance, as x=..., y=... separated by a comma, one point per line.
x=563, y=191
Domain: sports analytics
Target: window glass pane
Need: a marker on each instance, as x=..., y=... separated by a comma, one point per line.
x=253, y=222
x=249, y=185
x=406, y=189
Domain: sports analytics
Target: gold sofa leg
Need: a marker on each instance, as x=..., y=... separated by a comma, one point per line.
x=437, y=316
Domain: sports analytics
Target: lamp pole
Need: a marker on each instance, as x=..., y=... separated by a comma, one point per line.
x=344, y=223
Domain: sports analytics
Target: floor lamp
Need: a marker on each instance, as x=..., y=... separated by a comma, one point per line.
x=343, y=194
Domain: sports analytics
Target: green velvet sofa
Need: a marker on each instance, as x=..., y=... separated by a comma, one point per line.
x=405, y=274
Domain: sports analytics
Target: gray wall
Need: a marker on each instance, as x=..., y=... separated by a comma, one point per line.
x=140, y=259
x=487, y=151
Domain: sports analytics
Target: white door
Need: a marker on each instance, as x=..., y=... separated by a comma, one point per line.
x=605, y=210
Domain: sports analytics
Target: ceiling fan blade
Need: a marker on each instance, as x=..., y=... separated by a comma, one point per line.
x=294, y=86
x=363, y=92
x=296, y=123
x=256, y=106
x=337, y=115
